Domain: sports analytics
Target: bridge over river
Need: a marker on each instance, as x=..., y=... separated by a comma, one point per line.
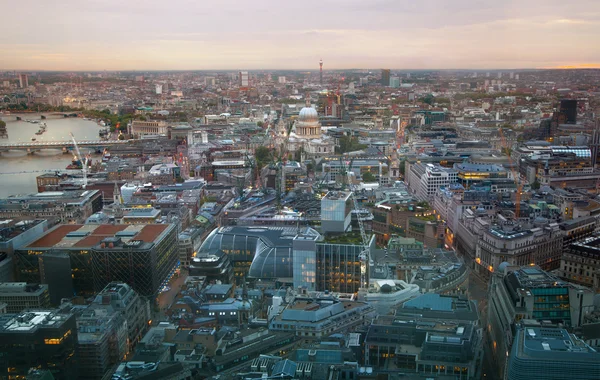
x=65, y=146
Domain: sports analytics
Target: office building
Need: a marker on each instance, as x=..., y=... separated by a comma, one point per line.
x=568, y=107
x=189, y=244
x=159, y=89
x=290, y=255
x=431, y=335
x=424, y=180
x=20, y=296
x=101, y=339
x=394, y=82
x=336, y=208
x=38, y=339
x=385, y=77
x=551, y=354
x=55, y=272
x=139, y=128
x=23, y=81
x=6, y=268
x=144, y=256
x=530, y=293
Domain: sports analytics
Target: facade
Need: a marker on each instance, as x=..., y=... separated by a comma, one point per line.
x=20, y=296
x=101, y=339
x=580, y=262
x=189, y=244
x=385, y=77
x=71, y=206
x=336, y=209
x=424, y=180
x=139, y=129
x=530, y=293
x=551, y=354
x=123, y=299
x=141, y=255
x=38, y=339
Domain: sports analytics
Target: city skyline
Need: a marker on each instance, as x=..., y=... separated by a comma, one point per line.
x=181, y=35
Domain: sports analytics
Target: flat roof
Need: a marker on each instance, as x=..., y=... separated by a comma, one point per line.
x=86, y=236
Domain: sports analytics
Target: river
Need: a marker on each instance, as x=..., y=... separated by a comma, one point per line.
x=59, y=129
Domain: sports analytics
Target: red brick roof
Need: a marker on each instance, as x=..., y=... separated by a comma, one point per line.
x=55, y=235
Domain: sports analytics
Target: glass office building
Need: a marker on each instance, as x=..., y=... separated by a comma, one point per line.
x=336, y=212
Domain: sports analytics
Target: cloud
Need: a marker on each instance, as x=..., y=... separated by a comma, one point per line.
x=186, y=34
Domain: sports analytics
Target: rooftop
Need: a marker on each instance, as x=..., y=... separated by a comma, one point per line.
x=82, y=236
x=32, y=320
x=10, y=229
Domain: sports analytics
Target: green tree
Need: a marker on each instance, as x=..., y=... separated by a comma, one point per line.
x=2, y=124
x=368, y=177
x=535, y=185
x=262, y=155
x=260, y=124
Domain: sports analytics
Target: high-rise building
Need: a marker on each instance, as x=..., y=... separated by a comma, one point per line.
x=43, y=339
x=244, y=79
x=541, y=353
x=394, y=82
x=23, y=81
x=385, y=77
x=159, y=89
x=20, y=296
x=568, y=107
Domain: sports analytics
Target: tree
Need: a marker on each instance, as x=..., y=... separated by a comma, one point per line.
x=260, y=124
x=368, y=177
x=2, y=124
x=535, y=185
x=262, y=155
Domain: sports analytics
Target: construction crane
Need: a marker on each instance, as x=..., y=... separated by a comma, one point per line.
x=515, y=175
x=365, y=254
x=83, y=160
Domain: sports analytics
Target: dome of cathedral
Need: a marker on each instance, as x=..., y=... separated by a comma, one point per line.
x=308, y=114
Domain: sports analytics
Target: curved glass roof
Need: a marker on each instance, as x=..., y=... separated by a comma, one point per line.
x=269, y=249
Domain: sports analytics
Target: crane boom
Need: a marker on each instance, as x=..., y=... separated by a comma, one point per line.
x=83, y=160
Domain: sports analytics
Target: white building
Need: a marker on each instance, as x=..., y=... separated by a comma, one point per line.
x=424, y=180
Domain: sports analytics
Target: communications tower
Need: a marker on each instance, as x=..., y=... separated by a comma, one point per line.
x=321, y=71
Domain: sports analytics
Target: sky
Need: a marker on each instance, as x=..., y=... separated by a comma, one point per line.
x=285, y=34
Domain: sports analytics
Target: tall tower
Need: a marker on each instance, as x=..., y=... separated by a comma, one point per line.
x=321, y=71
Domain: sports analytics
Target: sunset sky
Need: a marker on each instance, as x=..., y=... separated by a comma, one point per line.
x=266, y=34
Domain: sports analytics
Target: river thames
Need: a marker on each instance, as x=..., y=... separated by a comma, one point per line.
x=18, y=170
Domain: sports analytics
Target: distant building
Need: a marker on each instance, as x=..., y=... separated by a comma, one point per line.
x=568, y=107
x=44, y=339
x=244, y=79
x=394, y=82
x=385, y=77
x=139, y=128
x=215, y=267
x=72, y=206
x=551, y=353
x=424, y=180
x=23, y=81
x=20, y=296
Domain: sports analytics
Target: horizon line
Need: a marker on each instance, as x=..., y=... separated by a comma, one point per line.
x=562, y=67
